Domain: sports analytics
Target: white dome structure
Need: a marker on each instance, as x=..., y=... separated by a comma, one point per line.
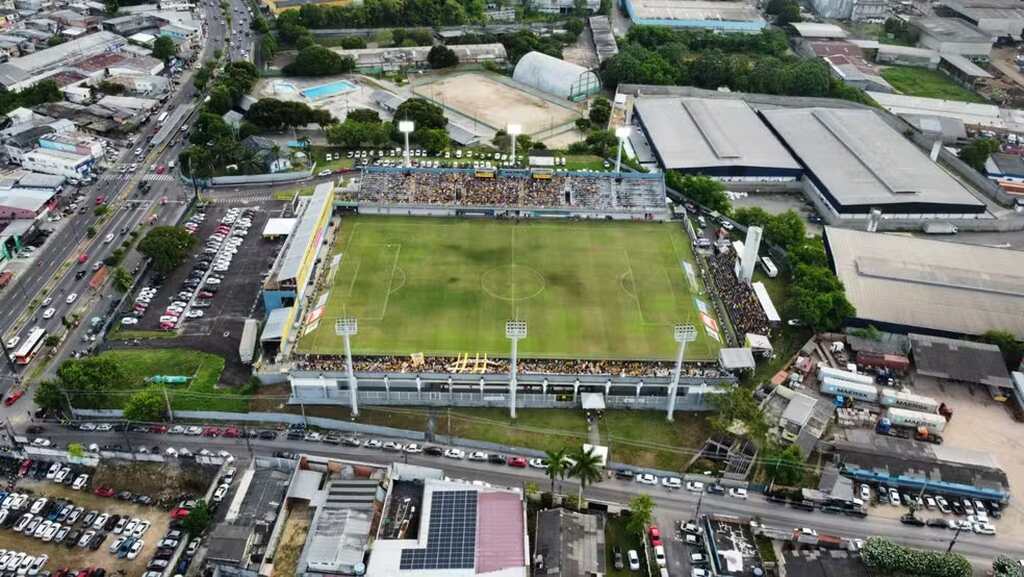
x=556, y=76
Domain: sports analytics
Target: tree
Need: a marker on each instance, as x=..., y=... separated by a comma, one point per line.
x=739, y=406
x=701, y=189
x=164, y=48
x=259, y=24
x=433, y=139
x=316, y=60
x=1008, y=344
x=122, y=280
x=363, y=115
x=784, y=465
x=810, y=253
x=557, y=466
x=790, y=13
x=600, y=111
x=422, y=112
x=785, y=230
x=220, y=99
x=641, y=512
x=890, y=558
x=586, y=467
x=818, y=298
x=87, y=380
x=751, y=216
x=168, y=247
x=111, y=7
x=1004, y=566
x=440, y=56
x=976, y=152
x=49, y=396
x=76, y=450
x=146, y=406
x=198, y=519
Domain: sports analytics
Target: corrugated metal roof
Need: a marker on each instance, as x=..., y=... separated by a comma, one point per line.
x=736, y=358
x=277, y=322
x=305, y=231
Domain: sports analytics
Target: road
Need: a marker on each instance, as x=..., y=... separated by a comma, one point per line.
x=53, y=272
x=671, y=505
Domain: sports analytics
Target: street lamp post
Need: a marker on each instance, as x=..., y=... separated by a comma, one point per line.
x=405, y=127
x=683, y=334
x=346, y=328
x=514, y=331
x=622, y=133
x=514, y=130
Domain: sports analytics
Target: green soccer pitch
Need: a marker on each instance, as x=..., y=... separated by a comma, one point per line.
x=443, y=287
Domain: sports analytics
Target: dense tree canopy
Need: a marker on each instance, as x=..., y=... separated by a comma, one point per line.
x=273, y=114
x=703, y=190
x=380, y=13
x=164, y=48
x=441, y=56
x=168, y=247
x=1008, y=344
x=316, y=60
x=976, y=152
x=146, y=406
x=87, y=381
x=39, y=93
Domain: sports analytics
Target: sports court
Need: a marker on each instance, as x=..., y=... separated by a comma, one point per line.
x=496, y=103
x=588, y=290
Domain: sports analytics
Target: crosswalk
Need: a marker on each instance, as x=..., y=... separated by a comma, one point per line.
x=160, y=178
x=151, y=177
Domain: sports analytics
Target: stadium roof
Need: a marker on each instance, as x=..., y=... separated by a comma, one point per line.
x=304, y=232
x=700, y=133
x=859, y=162
x=959, y=360
x=908, y=282
x=555, y=76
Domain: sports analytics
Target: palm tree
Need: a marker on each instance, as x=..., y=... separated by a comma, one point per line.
x=557, y=466
x=586, y=467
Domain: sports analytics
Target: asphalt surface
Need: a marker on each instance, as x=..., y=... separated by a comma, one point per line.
x=671, y=505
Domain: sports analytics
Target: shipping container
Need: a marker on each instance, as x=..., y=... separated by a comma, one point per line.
x=908, y=400
x=894, y=362
x=904, y=418
x=859, y=391
x=842, y=375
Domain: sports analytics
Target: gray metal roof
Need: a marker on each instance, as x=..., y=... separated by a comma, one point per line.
x=799, y=409
x=571, y=543
x=277, y=322
x=950, y=30
x=554, y=75
x=604, y=38
x=818, y=30
x=696, y=133
x=25, y=199
x=341, y=526
x=939, y=285
x=41, y=61
x=736, y=358
x=959, y=360
x=305, y=231
x=38, y=180
x=864, y=163
x=966, y=66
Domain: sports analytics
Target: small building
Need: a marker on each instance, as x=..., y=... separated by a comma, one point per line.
x=23, y=204
x=374, y=60
x=856, y=10
x=944, y=128
x=179, y=33
x=268, y=153
x=726, y=16
x=1005, y=167
x=953, y=36
x=962, y=70
x=387, y=100
x=563, y=6
x=959, y=361
x=907, y=56
x=730, y=542
x=569, y=544
x=1001, y=19
x=604, y=38
x=819, y=31
x=67, y=164
x=556, y=76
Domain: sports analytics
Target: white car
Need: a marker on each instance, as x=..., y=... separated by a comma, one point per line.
x=48, y=313
x=324, y=173
x=536, y=463
x=372, y=444
x=108, y=238
x=218, y=495
x=634, y=560
x=140, y=528
x=194, y=431
x=695, y=486
x=129, y=321
x=12, y=343
x=646, y=479
x=37, y=505
x=698, y=572
x=983, y=529
x=119, y=541
x=41, y=442
x=477, y=456
x=455, y=454
x=134, y=550
x=80, y=482
x=413, y=448
x=71, y=298
x=672, y=482
x=738, y=493
x=659, y=555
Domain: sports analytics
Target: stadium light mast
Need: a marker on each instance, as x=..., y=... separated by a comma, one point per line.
x=514, y=130
x=514, y=331
x=347, y=328
x=622, y=133
x=405, y=127
x=683, y=334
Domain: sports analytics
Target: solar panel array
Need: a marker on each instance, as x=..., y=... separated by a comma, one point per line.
x=451, y=536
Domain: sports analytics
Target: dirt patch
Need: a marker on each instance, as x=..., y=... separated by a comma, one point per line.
x=286, y=559
x=76, y=557
x=162, y=481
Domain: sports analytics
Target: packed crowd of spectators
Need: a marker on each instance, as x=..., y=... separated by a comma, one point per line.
x=444, y=365
x=467, y=189
x=740, y=301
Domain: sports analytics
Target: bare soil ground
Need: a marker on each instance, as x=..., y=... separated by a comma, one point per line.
x=495, y=103
x=286, y=559
x=76, y=557
x=158, y=480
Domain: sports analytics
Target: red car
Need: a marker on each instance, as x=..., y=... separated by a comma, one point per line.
x=179, y=513
x=84, y=572
x=82, y=258
x=13, y=397
x=102, y=491
x=157, y=428
x=517, y=462
x=655, y=534
x=23, y=470
x=100, y=199
x=160, y=169
x=211, y=432
x=231, y=432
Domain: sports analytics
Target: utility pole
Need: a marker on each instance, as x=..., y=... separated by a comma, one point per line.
x=167, y=399
x=955, y=537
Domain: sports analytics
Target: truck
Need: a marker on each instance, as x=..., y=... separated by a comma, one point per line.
x=916, y=419
x=923, y=434
x=908, y=400
x=848, y=376
x=940, y=228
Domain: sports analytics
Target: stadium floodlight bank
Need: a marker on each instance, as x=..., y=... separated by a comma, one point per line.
x=567, y=194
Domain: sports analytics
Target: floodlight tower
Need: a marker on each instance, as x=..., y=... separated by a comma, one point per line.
x=405, y=127
x=683, y=334
x=514, y=130
x=514, y=331
x=622, y=133
x=347, y=328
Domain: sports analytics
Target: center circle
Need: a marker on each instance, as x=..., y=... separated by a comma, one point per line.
x=513, y=282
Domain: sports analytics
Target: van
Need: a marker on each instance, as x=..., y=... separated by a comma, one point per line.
x=170, y=164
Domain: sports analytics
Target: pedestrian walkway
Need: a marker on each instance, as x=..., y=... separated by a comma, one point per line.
x=152, y=177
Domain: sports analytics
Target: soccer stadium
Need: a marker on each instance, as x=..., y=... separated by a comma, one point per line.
x=608, y=280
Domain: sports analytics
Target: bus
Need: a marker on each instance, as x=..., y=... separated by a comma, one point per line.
x=161, y=119
x=769, y=267
x=33, y=342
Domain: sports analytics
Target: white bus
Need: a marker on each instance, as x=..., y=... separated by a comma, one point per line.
x=33, y=342
x=769, y=267
x=161, y=119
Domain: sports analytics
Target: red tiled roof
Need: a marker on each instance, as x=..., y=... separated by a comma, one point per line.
x=499, y=532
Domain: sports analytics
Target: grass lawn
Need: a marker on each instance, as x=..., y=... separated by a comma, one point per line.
x=788, y=341
x=584, y=161
x=594, y=289
x=287, y=195
x=615, y=535
x=318, y=153
x=200, y=393
x=928, y=83
x=645, y=438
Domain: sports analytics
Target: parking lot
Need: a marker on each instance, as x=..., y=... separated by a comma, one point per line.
x=213, y=292
x=57, y=520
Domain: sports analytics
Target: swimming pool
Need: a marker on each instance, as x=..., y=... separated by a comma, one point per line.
x=283, y=87
x=326, y=90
